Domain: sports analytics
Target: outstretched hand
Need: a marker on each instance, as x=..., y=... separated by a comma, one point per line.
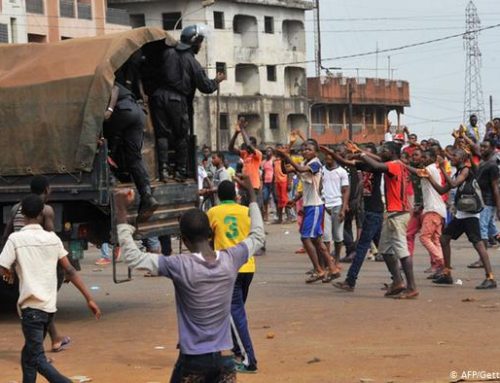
x=423, y=173
x=324, y=149
x=281, y=152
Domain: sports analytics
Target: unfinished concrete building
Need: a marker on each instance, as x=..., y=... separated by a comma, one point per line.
x=261, y=46
x=372, y=100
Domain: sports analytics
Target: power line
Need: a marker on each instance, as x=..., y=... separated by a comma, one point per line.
x=402, y=47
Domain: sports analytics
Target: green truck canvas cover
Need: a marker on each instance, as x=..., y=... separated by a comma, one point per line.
x=53, y=97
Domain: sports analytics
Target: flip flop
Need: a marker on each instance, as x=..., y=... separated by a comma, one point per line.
x=314, y=278
x=407, y=295
x=64, y=344
x=476, y=265
x=330, y=277
x=394, y=290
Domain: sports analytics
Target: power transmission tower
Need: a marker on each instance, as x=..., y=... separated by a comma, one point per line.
x=473, y=100
x=317, y=39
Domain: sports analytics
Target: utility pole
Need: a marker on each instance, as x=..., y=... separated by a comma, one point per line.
x=217, y=132
x=388, y=67
x=317, y=39
x=350, y=108
x=491, y=107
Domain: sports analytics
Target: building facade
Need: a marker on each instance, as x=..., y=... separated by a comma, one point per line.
x=260, y=44
x=12, y=21
x=40, y=21
x=372, y=100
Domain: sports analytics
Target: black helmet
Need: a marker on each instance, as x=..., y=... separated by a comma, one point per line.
x=190, y=36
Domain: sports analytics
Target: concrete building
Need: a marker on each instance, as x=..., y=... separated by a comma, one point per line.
x=41, y=21
x=261, y=46
x=372, y=100
x=12, y=21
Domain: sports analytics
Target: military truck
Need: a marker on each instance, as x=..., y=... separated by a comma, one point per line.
x=52, y=103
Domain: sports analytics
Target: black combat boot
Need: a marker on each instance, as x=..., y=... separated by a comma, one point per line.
x=164, y=172
x=181, y=175
x=147, y=206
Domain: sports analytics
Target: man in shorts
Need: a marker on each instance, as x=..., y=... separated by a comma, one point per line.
x=393, y=243
x=463, y=222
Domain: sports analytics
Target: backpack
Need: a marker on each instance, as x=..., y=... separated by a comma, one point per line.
x=469, y=198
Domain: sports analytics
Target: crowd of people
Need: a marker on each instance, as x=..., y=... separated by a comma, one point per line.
x=346, y=199
x=355, y=199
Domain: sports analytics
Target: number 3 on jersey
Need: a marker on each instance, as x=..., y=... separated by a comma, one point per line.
x=232, y=227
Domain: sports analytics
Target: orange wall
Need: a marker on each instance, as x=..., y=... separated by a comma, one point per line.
x=372, y=91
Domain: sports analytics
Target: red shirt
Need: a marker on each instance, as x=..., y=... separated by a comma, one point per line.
x=396, y=195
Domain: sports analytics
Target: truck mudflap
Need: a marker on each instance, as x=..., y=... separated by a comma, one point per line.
x=174, y=199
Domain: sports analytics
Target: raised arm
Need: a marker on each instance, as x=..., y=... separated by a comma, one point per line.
x=374, y=164
x=257, y=236
x=341, y=160
x=438, y=187
x=232, y=148
x=203, y=83
x=298, y=168
x=134, y=257
x=472, y=145
x=246, y=140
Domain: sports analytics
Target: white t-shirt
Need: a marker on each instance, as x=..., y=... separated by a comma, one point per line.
x=35, y=253
x=311, y=183
x=202, y=174
x=433, y=201
x=333, y=181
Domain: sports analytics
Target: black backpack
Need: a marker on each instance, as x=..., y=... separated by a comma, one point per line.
x=469, y=198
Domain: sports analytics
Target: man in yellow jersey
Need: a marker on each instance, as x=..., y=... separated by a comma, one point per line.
x=230, y=224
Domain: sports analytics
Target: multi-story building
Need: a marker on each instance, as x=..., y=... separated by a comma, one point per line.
x=260, y=44
x=41, y=21
x=12, y=21
x=372, y=100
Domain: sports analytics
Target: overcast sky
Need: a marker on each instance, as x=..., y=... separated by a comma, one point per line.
x=435, y=71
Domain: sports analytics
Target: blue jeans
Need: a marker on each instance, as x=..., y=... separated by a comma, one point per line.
x=152, y=244
x=487, y=222
x=372, y=223
x=33, y=359
x=213, y=367
x=268, y=192
x=105, y=250
x=239, y=316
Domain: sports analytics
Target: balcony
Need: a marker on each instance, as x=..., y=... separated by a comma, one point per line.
x=35, y=6
x=246, y=31
x=84, y=11
x=117, y=16
x=67, y=8
x=295, y=82
x=294, y=36
x=247, y=78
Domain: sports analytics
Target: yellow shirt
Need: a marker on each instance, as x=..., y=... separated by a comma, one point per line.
x=230, y=224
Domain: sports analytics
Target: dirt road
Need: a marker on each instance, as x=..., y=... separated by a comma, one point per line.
x=320, y=334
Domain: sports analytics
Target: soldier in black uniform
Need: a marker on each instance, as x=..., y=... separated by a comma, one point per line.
x=172, y=102
x=124, y=129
